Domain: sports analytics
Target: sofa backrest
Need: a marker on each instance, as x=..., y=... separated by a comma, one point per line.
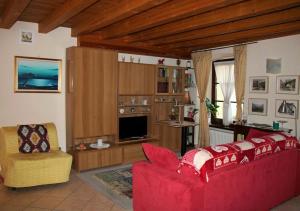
x=9, y=138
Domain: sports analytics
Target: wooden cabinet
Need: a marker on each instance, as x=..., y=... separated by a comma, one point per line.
x=170, y=137
x=91, y=93
x=136, y=79
x=169, y=80
x=91, y=159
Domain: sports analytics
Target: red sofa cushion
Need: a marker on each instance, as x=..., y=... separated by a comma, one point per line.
x=161, y=156
x=253, y=133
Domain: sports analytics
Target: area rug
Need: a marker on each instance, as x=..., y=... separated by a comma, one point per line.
x=113, y=182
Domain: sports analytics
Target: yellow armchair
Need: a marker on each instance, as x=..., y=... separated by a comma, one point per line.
x=25, y=170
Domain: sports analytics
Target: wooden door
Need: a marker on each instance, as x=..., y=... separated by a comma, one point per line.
x=136, y=79
x=94, y=91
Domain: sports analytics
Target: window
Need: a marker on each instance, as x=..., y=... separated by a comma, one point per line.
x=219, y=79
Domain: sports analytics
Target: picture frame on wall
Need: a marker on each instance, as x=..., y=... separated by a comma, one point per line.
x=258, y=106
x=286, y=108
x=37, y=74
x=26, y=36
x=259, y=84
x=287, y=84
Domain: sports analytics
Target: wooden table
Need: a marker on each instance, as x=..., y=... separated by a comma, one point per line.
x=244, y=129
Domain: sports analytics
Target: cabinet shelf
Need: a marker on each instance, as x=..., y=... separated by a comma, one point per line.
x=135, y=105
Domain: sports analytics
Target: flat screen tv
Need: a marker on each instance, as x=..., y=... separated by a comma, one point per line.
x=132, y=127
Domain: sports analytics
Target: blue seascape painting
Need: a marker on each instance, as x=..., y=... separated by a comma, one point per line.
x=36, y=74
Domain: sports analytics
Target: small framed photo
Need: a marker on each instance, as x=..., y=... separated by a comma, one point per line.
x=286, y=108
x=37, y=74
x=259, y=84
x=257, y=106
x=26, y=37
x=287, y=84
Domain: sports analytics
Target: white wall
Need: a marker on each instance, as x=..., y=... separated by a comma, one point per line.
x=23, y=108
x=286, y=48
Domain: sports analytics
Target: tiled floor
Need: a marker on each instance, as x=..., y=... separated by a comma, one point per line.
x=72, y=196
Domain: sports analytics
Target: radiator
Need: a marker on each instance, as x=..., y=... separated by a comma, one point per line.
x=220, y=136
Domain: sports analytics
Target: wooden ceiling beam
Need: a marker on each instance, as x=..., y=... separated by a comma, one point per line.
x=69, y=9
x=124, y=9
x=223, y=15
x=244, y=24
x=247, y=36
x=93, y=40
x=170, y=11
x=12, y=11
x=241, y=25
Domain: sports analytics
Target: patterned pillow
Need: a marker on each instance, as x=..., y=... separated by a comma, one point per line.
x=33, y=138
x=209, y=159
x=282, y=141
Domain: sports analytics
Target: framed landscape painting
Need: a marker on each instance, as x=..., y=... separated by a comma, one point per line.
x=37, y=74
x=257, y=106
x=287, y=84
x=259, y=84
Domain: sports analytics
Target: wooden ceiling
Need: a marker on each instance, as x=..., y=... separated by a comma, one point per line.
x=171, y=28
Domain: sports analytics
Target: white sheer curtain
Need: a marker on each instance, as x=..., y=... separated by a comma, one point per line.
x=225, y=77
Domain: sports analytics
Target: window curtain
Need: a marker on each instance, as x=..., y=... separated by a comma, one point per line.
x=240, y=56
x=225, y=76
x=202, y=63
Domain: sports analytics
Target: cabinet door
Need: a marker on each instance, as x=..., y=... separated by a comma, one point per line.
x=94, y=95
x=177, y=81
x=111, y=156
x=136, y=79
x=85, y=160
x=170, y=137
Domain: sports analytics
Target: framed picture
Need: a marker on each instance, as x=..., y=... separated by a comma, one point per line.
x=37, y=74
x=286, y=108
x=274, y=66
x=257, y=106
x=259, y=84
x=287, y=84
x=26, y=37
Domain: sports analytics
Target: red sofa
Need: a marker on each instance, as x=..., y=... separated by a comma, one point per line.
x=258, y=185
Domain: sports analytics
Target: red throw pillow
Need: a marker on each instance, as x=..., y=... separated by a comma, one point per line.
x=33, y=138
x=253, y=133
x=161, y=156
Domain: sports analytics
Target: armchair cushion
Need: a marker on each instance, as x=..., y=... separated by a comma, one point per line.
x=33, y=138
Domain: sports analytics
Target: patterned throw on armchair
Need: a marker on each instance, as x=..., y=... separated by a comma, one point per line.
x=21, y=166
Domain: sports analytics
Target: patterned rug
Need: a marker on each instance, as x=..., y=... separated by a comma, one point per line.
x=114, y=182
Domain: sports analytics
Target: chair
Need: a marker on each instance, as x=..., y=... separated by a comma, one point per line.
x=25, y=170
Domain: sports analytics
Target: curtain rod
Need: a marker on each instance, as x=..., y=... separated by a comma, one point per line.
x=227, y=46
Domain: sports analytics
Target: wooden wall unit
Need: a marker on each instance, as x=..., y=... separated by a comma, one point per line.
x=99, y=91
x=136, y=79
x=91, y=97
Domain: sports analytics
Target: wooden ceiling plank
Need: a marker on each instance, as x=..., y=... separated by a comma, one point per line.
x=223, y=15
x=95, y=40
x=12, y=11
x=248, y=35
x=124, y=9
x=170, y=11
x=240, y=25
x=69, y=9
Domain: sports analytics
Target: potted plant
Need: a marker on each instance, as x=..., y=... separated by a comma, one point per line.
x=212, y=109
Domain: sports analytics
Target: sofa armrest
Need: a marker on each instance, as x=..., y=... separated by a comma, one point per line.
x=156, y=188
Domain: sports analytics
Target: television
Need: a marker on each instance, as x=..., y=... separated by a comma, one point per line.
x=132, y=127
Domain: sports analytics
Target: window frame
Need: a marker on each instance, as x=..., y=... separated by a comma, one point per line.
x=214, y=120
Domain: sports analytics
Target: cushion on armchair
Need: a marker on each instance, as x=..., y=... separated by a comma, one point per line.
x=161, y=156
x=33, y=138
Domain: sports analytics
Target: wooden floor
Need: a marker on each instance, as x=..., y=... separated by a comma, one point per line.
x=73, y=196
